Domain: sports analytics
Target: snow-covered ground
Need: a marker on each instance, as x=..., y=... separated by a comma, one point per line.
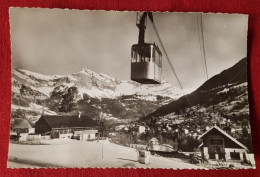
x=84, y=154
x=225, y=90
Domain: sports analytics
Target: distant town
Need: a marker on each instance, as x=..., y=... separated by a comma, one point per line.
x=205, y=138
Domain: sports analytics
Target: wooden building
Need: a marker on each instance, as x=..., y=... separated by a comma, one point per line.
x=20, y=129
x=217, y=144
x=67, y=126
x=154, y=144
x=20, y=125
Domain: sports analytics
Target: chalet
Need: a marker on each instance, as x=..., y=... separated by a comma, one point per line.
x=154, y=144
x=217, y=144
x=141, y=129
x=67, y=126
x=121, y=127
x=20, y=129
x=21, y=125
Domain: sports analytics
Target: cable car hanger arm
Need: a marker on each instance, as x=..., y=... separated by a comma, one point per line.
x=141, y=24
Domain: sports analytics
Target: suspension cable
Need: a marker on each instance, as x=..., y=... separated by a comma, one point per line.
x=169, y=61
x=166, y=55
x=199, y=35
x=203, y=46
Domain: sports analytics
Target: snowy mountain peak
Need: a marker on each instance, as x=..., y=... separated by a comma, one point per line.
x=36, y=75
x=123, y=100
x=98, y=76
x=96, y=85
x=86, y=71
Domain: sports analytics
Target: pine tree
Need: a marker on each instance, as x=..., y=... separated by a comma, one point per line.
x=23, y=90
x=69, y=100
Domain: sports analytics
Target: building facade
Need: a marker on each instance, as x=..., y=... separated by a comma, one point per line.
x=67, y=126
x=217, y=144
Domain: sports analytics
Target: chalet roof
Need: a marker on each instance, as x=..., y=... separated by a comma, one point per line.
x=225, y=134
x=64, y=121
x=20, y=123
x=153, y=139
x=171, y=114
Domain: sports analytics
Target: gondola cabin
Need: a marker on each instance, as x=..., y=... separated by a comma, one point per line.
x=146, y=63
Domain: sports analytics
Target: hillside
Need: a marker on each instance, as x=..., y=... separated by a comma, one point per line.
x=222, y=100
x=225, y=86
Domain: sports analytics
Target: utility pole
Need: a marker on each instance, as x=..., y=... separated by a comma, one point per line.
x=103, y=149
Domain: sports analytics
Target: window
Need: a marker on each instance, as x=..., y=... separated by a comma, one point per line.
x=134, y=56
x=160, y=61
x=235, y=155
x=145, y=53
x=138, y=58
x=157, y=58
x=155, y=54
x=141, y=54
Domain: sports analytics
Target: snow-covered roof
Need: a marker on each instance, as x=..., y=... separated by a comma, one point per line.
x=171, y=114
x=226, y=134
x=21, y=123
x=153, y=139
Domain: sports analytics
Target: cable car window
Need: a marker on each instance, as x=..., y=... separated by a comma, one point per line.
x=154, y=54
x=157, y=58
x=133, y=56
x=141, y=58
x=138, y=57
x=143, y=54
x=160, y=60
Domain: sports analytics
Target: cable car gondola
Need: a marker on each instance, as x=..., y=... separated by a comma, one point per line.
x=146, y=58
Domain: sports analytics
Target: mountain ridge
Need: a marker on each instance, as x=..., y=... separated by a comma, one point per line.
x=33, y=92
x=234, y=75
x=87, y=79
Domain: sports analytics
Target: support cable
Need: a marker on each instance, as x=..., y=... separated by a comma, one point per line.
x=200, y=43
x=169, y=61
x=203, y=46
x=166, y=55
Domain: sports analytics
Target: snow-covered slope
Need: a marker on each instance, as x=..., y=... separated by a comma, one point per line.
x=165, y=89
x=225, y=86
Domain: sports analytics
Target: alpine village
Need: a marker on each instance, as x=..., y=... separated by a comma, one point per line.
x=157, y=123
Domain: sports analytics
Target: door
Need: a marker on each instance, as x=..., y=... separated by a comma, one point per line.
x=212, y=152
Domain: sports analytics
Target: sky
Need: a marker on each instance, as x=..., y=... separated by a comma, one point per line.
x=56, y=41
